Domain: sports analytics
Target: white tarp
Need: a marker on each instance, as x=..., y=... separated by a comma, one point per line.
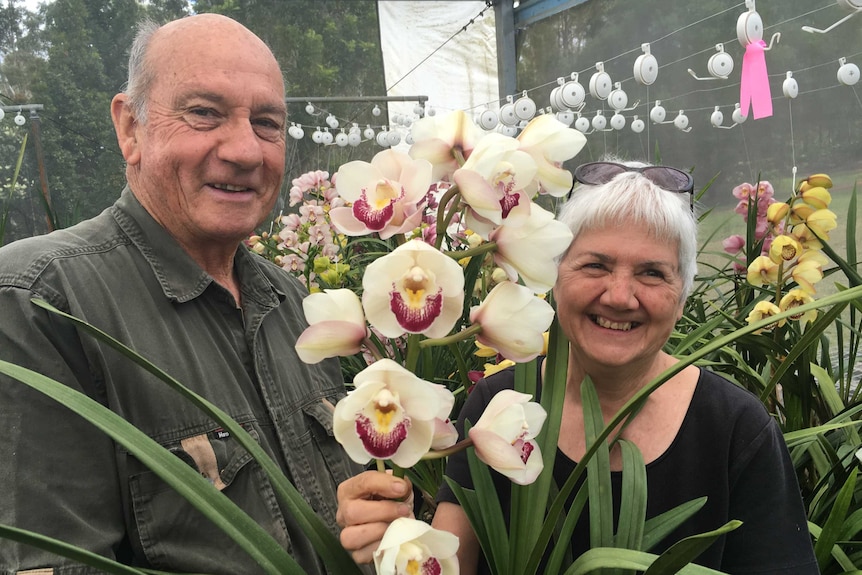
x=460, y=75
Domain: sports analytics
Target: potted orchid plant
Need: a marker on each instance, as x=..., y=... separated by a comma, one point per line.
x=458, y=250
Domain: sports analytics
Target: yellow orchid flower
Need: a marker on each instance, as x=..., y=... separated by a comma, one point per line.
x=785, y=249
x=806, y=237
x=762, y=271
x=762, y=310
x=796, y=298
x=776, y=212
x=821, y=222
x=816, y=197
x=492, y=368
x=809, y=270
x=484, y=350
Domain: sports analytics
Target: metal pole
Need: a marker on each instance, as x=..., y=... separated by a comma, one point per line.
x=293, y=99
x=40, y=161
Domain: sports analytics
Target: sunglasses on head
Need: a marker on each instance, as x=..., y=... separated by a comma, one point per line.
x=665, y=177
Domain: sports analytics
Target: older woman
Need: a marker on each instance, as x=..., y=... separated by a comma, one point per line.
x=621, y=288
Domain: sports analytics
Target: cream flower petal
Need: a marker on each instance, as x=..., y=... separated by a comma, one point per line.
x=440, y=139
x=333, y=304
x=513, y=321
x=329, y=339
x=410, y=546
x=336, y=325
x=550, y=142
x=414, y=289
x=391, y=414
x=503, y=436
x=529, y=250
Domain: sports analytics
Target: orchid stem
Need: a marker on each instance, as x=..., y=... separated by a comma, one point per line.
x=453, y=338
x=413, y=345
x=444, y=218
x=441, y=453
x=483, y=248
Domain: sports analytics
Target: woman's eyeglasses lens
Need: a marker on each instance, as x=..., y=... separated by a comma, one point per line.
x=665, y=177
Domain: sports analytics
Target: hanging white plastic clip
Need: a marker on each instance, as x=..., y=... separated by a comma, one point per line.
x=855, y=6
x=717, y=119
x=719, y=65
x=582, y=125
x=681, y=122
x=646, y=66
x=658, y=114
x=789, y=86
x=600, y=83
x=600, y=122
x=618, y=99
x=848, y=72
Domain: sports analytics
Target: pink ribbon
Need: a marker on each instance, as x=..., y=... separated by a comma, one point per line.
x=755, y=82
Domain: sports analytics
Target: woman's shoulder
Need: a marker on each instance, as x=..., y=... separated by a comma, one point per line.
x=722, y=402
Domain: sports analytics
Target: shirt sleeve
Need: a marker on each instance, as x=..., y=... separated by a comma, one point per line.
x=58, y=471
x=773, y=538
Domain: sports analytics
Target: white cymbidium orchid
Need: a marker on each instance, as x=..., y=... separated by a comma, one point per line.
x=412, y=547
x=445, y=434
x=445, y=141
x=529, y=250
x=504, y=436
x=336, y=325
x=392, y=414
x=513, y=321
x=413, y=289
x=550, y=143
x=385, y=194
x=492, y=181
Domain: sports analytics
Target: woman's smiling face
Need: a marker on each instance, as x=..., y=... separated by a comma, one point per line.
x=618, y=297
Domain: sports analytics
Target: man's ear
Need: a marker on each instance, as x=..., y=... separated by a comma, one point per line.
x=126, y=127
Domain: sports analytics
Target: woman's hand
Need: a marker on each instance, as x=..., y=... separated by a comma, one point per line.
x=367, y=504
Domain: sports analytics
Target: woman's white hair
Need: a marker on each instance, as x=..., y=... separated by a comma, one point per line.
x=631, y=199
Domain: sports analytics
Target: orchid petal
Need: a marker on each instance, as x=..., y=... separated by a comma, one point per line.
x=413, y=547
x=391, y=414
x=329, y=339
x=513, y=321
x=414, y=289
x=530, y=249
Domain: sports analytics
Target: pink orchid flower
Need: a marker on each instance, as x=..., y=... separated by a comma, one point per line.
x=385, y=195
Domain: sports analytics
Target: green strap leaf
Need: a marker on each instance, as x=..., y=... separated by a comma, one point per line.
x=250, y=536
x=633, y=498
x=324, y=541
x=604, y=558
x=685, y=551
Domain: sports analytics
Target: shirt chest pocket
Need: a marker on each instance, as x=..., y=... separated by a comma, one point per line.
x=173, y=535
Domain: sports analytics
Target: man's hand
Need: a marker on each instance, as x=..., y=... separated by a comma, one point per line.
x=367, y=504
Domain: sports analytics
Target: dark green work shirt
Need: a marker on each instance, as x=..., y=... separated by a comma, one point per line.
x=60, y=476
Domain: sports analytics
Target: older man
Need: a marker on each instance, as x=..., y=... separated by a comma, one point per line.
x=202, y=129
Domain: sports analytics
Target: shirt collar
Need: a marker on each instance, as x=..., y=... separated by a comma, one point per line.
x=180, y=277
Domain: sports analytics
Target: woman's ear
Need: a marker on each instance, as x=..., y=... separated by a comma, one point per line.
x=126, y=127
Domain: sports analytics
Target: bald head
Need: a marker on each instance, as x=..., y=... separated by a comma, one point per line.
x=156, y=47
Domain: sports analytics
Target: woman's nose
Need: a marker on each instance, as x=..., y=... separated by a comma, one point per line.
x=620, y=292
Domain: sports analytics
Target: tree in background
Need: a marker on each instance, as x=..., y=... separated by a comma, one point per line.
x=71, y=56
